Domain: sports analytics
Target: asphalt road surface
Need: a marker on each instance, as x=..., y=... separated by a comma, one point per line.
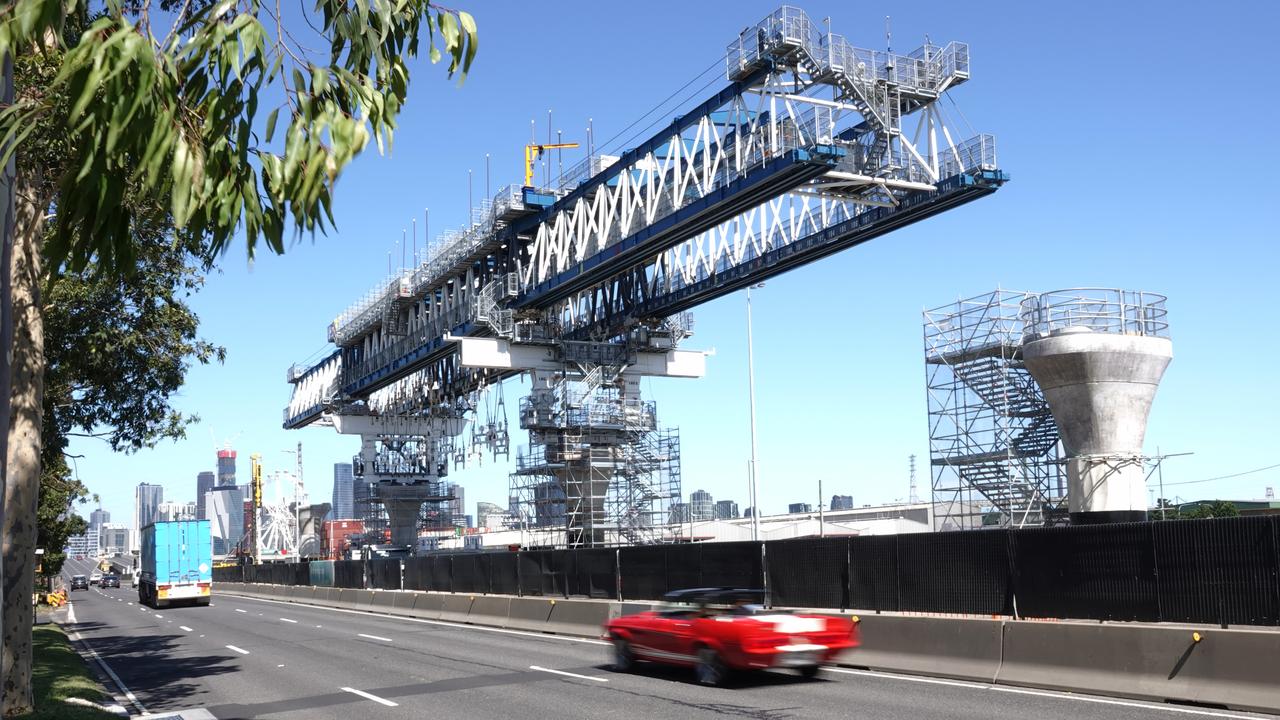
x=249, y=658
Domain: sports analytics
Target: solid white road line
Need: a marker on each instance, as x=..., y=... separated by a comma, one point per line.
x=442, y=623
x=114, y=677
x=1044, y=693
x=71, y=613
x=374, y=637
x=567, y=674
x=367, y=696
x=184, y=627
x=295, y=622
x=242, y=651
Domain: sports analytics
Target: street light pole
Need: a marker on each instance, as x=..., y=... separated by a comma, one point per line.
x=751, y=394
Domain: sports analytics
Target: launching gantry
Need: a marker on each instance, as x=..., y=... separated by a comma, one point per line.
x=813, y=146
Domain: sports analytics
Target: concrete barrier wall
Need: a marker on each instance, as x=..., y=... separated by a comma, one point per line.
x=1232, y=668
x=491, y=610
x=1227, y=668
x=945, y=647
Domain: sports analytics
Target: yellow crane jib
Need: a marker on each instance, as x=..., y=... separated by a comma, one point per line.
x=533, y=152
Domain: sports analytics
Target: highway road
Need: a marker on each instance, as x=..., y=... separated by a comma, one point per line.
x=250, y=658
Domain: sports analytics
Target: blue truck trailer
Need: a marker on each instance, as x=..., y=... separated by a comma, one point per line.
x=177, y=563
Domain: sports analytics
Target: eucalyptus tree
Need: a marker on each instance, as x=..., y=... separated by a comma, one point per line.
x=230, y=115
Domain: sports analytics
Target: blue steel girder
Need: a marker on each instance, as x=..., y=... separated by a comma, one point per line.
x=677, y=280
x=804, y=112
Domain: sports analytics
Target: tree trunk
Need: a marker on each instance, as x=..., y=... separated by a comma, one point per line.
x=6, y=303
x=22, y=481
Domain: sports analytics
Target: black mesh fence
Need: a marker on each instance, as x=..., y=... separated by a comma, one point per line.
x=1105, y=572
x=809, y=572
x=470, y=573
x=873, y=572
x=348, y=573
x=1217, y=571
x=384, y=574
x=592, y=573
x=955, y=572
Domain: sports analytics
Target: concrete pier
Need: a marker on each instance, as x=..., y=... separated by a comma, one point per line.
x=1100, y=386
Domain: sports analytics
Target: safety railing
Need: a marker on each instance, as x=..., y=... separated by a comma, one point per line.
x=1104, y=310
x=975, y=154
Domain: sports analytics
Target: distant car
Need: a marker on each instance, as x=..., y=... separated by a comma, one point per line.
x=79, y=582
x=112, y=581
x=721, y=630
x=95, y=578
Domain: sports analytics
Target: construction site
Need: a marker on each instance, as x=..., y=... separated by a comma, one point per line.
x=582, y=280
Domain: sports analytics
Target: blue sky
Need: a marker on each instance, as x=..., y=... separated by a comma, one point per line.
x=1136, y=137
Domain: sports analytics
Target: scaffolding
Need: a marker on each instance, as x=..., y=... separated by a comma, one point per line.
x=993, y=442
x=597, y=465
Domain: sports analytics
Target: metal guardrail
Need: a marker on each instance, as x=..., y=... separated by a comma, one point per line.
x=1105, y=310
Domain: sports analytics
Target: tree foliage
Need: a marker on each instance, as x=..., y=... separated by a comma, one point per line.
x=190, y=119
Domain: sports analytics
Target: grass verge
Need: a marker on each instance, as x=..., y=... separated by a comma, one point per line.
x=59, y=673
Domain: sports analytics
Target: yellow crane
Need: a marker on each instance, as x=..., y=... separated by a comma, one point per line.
x=533, y=152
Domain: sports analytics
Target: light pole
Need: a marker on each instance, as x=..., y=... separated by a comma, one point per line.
x=751, y=394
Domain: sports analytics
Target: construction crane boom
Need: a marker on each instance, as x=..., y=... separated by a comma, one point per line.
x=533, y=152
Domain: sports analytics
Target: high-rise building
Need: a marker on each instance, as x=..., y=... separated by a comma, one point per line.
x=457, y=506
x=226, y=467
x=343, y=492
x=841, y=502
x=799, y=508
x=224, y=507
x=702, y=505
x=146, y=509
x=172, y=510
x=81, y=545
x=679, y=513
x=114, y=539
x=97, y=519
x=726, y=510
x=204, y=483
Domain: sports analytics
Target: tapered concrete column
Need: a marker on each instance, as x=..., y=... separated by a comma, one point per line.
x=403, y=502
x=1100, y=387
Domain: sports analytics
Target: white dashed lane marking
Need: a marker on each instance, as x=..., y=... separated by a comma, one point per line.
x=242, y=651
x=367, y=696
x=374, y=637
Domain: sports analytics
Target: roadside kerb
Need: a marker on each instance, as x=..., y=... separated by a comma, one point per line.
x=964, y=648
x=1228, y=668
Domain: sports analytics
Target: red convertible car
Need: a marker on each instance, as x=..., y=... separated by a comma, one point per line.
x=721, y=630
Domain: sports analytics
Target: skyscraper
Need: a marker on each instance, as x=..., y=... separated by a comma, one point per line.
x=97, y=519
x=726, y=510
x=204, y=483
x=343, y=492
x=146, y=509
x=226, y=467
x=224, y=507
x=457, y=506
x=702, y=505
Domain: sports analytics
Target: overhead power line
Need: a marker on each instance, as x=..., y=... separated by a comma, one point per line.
x=1226, y=477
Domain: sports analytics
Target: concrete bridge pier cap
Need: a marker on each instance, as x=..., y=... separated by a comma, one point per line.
x=1098, y=356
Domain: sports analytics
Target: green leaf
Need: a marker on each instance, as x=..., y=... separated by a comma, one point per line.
x=271, y=123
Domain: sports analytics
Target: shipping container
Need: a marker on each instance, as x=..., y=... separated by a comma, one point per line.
x=177, y=563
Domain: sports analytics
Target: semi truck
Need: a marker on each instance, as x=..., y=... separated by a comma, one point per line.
x=177, y=563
